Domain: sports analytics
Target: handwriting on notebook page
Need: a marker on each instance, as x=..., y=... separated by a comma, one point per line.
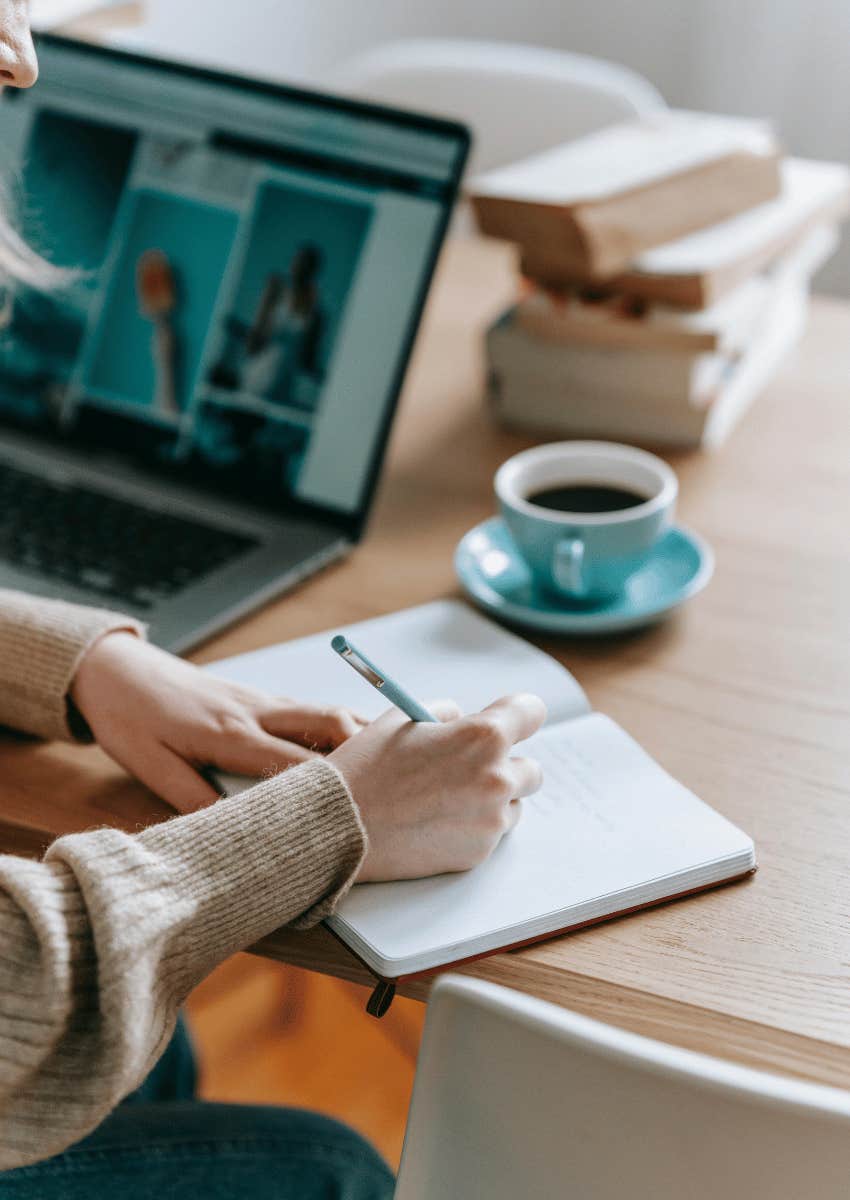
x=569, y=778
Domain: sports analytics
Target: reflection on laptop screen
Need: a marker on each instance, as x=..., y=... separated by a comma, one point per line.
x=249, y=265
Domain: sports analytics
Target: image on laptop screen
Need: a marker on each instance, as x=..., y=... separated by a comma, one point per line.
x=246, y=268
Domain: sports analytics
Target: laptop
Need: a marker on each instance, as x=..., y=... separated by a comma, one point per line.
x=195, y=418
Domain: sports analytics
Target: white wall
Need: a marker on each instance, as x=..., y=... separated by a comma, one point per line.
x=303, y=41
x=787, y=59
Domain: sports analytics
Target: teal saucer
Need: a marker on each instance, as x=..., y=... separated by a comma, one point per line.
x=494, y=575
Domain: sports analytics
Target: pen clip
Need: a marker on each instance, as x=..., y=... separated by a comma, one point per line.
x=360, y=664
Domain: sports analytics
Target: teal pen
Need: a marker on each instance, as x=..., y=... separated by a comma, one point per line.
x=380, y=681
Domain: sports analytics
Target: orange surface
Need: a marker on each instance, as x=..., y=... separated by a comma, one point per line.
x=270, y=1034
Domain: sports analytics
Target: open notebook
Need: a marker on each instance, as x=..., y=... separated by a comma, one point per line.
x=609, y=832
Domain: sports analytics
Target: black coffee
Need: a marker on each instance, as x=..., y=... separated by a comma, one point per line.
x=586, y=498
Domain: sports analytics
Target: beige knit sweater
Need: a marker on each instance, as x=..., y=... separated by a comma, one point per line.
x=101, y=942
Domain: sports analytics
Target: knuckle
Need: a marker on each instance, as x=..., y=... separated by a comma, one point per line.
x=238, y=693
x=484, y=734
x=490, y=825
x=230, y=723
x=496, y=784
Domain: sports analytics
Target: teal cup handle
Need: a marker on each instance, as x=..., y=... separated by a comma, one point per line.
x=567, y=562
x=585, y=556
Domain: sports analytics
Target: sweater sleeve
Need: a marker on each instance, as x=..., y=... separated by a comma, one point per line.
x=41, y=645
x=101, y=942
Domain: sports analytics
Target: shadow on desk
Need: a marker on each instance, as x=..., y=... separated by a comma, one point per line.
x=36, y=807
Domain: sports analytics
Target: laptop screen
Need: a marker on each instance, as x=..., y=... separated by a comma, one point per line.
x=247, y=266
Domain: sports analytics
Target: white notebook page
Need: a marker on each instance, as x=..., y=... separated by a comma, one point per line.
x=442, y=650
x=609, y=829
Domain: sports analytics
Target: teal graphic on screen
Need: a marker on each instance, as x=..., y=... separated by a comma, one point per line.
x=242, y=273
x=120, y=366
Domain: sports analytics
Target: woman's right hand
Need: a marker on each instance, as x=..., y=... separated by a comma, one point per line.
x=439, y=797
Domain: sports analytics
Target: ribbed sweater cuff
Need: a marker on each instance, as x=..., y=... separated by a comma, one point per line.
x=177, y=899
x=282, y=853
x=42, y=642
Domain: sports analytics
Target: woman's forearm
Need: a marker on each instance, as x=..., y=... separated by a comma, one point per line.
x=41, y=645
x=101, y=943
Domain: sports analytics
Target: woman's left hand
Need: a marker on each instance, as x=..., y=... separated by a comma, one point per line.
x=164, y=720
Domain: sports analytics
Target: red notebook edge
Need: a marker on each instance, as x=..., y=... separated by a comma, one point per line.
x=384, y=991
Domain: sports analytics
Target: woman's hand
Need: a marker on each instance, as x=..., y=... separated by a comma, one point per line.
x=163, y=719
x=439, y=798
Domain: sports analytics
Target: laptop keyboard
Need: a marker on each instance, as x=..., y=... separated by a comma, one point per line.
x=119, y=550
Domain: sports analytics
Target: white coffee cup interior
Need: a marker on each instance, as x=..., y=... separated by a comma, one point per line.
x=602, y=463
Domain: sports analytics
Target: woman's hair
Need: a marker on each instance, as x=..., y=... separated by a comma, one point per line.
x=20, y=265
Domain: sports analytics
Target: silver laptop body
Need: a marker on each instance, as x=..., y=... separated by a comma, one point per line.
x=195, y=418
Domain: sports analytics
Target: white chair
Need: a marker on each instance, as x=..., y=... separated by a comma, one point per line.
x=516, y=1099
x=517, y=99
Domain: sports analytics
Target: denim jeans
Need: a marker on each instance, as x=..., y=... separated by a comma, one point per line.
x=162, y=1144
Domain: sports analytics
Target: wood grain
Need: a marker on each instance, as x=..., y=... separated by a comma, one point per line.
x=744, y=696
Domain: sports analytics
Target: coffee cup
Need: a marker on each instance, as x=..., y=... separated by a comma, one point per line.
x=585, y=515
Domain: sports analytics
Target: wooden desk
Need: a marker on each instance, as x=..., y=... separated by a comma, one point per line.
x=745, y=697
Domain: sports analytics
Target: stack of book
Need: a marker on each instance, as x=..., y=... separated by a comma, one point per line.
x=666, y=266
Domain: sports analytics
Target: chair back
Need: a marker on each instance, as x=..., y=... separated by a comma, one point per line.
x=517, y=1099
x=518, y=100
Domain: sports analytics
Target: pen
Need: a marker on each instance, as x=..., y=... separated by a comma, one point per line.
x=380, y=680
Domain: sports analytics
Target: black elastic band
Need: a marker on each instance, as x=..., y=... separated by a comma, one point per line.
x=381, y=998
